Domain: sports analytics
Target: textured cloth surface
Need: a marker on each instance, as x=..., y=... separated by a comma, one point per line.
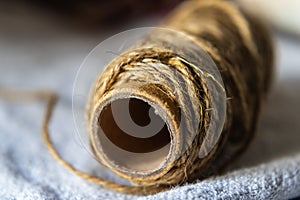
x=50, y=57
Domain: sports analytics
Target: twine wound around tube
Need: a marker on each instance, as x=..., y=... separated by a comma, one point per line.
x=203, y=83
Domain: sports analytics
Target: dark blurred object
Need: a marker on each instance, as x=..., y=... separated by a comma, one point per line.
x=106, y=12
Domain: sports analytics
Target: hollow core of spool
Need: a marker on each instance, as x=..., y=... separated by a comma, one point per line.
x=132, y=136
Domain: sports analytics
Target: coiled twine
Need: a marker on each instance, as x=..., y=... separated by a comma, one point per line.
x=202, y=84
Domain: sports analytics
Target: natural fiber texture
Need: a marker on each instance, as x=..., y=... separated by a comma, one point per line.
x=240, y=47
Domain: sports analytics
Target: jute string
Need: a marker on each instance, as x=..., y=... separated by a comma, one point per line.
x=178, y=90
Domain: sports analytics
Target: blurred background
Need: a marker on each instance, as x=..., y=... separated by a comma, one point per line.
x=43, y=43
x=50, y=35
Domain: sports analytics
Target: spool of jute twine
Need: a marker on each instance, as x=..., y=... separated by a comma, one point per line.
x=199, y=88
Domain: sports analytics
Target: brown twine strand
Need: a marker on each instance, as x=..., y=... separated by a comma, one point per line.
x=240, y=47
x=51, y=99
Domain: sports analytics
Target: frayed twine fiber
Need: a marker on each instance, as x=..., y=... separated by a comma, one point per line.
x=241, y=49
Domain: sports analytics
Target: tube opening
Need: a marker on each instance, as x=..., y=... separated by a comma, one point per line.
x=132, y=135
